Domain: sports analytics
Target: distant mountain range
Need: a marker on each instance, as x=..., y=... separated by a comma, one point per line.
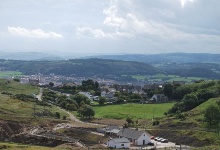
x=150, y=59
x=28, y=56
x=168, y=57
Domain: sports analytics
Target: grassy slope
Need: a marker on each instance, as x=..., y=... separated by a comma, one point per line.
x=142, y=111
x=17, y=88
x=18, y=110
x=196, y=115
x=21, y=111
x=13, y=146
x=193, y=125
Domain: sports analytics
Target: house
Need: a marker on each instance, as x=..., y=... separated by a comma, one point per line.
x=108, y=95
x=119, y=143
x=153, y=86
x=136, y=137
x=109, y=129
x=95, y=98
x=87, y=94
x=34, y=81
x=159, y=98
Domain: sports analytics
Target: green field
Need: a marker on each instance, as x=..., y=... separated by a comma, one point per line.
x=10, y=73
x=166, y=78
x=138, y=111
x=17, y=88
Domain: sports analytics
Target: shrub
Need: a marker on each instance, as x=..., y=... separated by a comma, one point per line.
x=156, y=122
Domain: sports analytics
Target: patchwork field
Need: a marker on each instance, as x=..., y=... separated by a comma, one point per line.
x=167, y=78
x=137, y=111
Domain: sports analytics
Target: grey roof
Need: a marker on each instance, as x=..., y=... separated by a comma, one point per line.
x=115, y=131
x=121, y=140
x=110, y=128
x=130, y=133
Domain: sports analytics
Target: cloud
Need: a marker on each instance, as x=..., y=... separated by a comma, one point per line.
x=36, y=33
x=89, y=32
x=98, y=33
x=112, y=19
x=123, y=24
x=184, y=2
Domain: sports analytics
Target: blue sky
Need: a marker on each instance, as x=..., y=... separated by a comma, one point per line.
x=110, y=26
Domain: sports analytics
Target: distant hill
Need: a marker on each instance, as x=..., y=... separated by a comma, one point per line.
x=28, y=56
x=115, y=66
x=168, y=57
x=80, y=67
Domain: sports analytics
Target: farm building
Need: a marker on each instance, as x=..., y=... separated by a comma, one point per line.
x=119, y=143
x=136, y=137
x=109, y=130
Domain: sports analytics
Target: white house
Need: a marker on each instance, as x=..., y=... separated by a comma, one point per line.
x=159, y=98
x=136, y=137
x=119, y=143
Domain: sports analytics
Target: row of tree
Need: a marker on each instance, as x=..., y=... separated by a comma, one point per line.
x=194, y=95
x=77, y=102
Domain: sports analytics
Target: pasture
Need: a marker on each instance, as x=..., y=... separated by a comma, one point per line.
x=17, y=88
x=10, y=73
x=136, y=111
x=166, y=78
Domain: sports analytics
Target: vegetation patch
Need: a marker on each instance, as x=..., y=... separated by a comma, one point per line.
x=138, y=111
x=10, y=73
x=165, y=78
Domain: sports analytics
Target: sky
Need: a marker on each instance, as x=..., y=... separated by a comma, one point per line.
x=110, y=26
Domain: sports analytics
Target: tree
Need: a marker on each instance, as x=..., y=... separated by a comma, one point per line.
x=212, y=115
x=71, y=107
x=79, y=98
x=96, y=85
x=16, y=79
x=63, y=104
x=168, y=90
x=64, y=117
x=57, y=115
x=86, y=111
x=102, y=100
x=51, y=84
x=190, y=101
x=204, y=95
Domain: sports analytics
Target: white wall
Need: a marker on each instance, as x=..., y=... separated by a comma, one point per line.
x=126, y=145
x=141, y=138
x=111, y=143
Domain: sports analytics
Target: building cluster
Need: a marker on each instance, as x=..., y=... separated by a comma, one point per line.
x=108, y=88
x=125, y=137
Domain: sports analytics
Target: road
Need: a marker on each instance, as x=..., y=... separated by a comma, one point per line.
x=39, y=96
x=34, y=132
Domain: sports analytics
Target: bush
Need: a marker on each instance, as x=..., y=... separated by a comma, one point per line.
x=17, y=80
x=180, y=115
x=7, y=93
x=57, y=115
x=64, y=117
x=156, y=122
